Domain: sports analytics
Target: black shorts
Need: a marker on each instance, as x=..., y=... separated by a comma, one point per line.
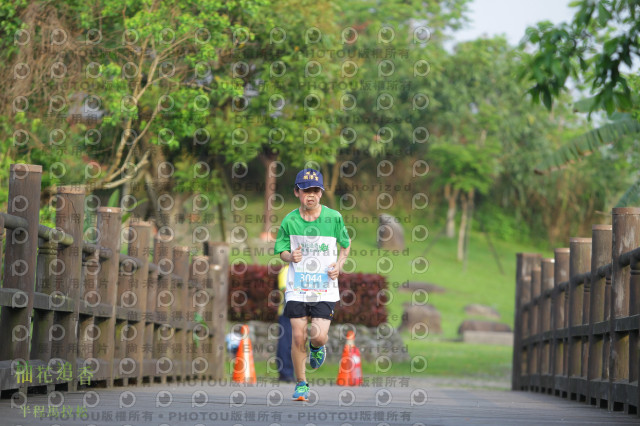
x=294, y=309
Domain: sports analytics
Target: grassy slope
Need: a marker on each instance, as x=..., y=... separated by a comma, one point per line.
x=480, y=283
x=443, y=359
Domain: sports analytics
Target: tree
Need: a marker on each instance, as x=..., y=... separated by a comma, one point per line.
x=467, y=170
x=288, y=93
x=593, y=49
x=390, y=50
x=473, y=103
x=130, y=91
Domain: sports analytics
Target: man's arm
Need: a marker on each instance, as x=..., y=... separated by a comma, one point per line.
x=335, y=268
x=286, y=256
x=344, y=253
x=294, y=257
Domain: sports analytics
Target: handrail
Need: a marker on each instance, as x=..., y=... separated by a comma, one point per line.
x=625, y=258
x=578, y=338
x=57, y=273
x=44, y=232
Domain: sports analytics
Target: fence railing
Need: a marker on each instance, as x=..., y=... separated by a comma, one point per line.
x=578, y=317
x=76, y=311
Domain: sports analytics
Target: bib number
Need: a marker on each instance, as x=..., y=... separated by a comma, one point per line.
x=310, y=281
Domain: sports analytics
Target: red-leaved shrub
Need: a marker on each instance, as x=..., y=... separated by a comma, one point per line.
x=253, y=295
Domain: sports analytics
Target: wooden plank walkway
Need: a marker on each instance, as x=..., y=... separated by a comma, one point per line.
x=423, y=401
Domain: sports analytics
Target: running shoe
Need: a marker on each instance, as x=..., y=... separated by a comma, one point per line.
x=302, y=392
x=317, y=356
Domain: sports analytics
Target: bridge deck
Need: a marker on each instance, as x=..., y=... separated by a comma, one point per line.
x=421, y=402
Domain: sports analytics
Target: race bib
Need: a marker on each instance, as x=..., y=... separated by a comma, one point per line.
x=310, y=281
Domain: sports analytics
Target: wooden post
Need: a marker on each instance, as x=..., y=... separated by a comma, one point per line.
x=139, y=247
x=634, y=345
x=546, y=285
x=70, y=218
x=20, y=260
x=598, y=333
x=212, y=284
x=525, y=263
x=623, y=347
x=109, y=224
x=89, y=288
x=2, y=237
x=561, y=275
x=218, y=253
x=163, y=332
x=88, y=319
x=181, y=269
x=148, y=361
x=546, y=282
x=534, y=345
x=579, y=263
x=43, y=318
x=200, y=303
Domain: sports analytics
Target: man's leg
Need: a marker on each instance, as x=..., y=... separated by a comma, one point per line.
x=319, y=333
x=299, y=347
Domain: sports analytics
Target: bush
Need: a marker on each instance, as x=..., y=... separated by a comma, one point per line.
x=253, y=295
x=363, y=299
x=501, y=224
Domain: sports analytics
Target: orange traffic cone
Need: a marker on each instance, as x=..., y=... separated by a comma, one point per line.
x=243, y=369
x=350, y=372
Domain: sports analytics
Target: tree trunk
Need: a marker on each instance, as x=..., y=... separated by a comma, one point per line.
x=156, y=186
x=470, y=205
x=330, y=183
x=464, y=202
x=152, y=211
x=268, y=159
x=229, y=193
x=451, y=197
x=223, y=231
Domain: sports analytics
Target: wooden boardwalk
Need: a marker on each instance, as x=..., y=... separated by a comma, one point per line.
x=422, y=401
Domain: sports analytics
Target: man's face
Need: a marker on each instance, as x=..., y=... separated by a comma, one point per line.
x=309, y=198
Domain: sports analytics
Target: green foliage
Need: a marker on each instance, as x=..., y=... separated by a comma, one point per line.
x=594, y=47
x=501, y=223
x=471, y=114
x=48, y=216
x=10, y=23
x=199, y=319
x=114, y=199
x=181, y=103
x=465, y=167
x=631, y=197
x=590, y=142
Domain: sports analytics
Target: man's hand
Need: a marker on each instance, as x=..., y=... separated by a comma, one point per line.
x=333, y=271
x=296, y=255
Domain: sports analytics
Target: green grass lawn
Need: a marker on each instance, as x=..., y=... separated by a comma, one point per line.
x=481, y=282
x=443, y=359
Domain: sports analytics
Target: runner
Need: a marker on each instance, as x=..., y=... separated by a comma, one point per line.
x=308, y=239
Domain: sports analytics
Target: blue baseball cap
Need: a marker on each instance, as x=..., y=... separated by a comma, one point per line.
x=309, y=178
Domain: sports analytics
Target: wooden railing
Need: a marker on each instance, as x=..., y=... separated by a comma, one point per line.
x=75, y=311
x=578, y=317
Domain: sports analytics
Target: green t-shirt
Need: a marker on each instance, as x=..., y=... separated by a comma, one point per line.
x=308, y=280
